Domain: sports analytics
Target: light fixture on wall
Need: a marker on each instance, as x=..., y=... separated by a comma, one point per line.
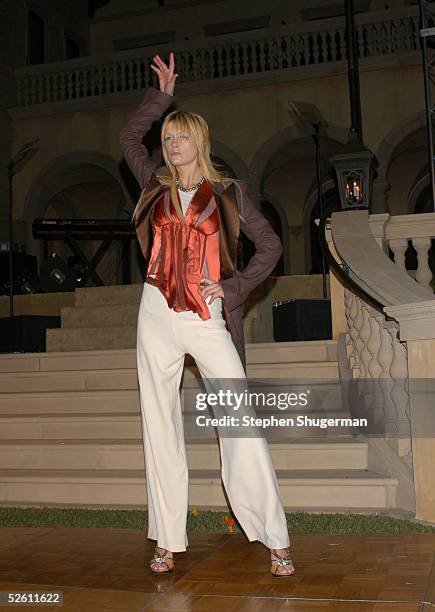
x=355, y=172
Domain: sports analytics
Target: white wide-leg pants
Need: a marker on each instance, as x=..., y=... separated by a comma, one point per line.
x=163, y=338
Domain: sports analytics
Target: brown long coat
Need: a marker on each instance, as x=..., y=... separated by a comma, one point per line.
x=236, y=210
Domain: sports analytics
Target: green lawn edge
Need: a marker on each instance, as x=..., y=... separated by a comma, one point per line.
x=208, y=521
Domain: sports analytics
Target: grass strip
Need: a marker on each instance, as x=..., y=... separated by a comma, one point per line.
x=208, y=521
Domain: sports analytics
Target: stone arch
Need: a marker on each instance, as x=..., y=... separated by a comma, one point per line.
x=61, y=173
x=284, y=228
x=421, y=183
x=261, y=163
x=394, y=138
x=282, y=139
x=310, y=203
x=41, y=186
x=230, y=157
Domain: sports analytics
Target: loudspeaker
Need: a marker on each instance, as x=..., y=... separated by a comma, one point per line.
x=25, y=333
x=21, y=265
x=302, y=320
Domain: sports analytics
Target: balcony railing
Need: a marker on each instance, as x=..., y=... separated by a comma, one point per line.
x=322, y=42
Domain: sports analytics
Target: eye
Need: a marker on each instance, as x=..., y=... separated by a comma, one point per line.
x=167, y=138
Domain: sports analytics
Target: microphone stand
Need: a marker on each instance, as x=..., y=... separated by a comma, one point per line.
x=27, y=151
x=307, y=115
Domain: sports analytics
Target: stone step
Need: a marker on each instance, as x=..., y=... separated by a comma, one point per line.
x=23, y=382
x=108, y=295
x=107, y=315
x=327, y=490
x=91, y=338
x=64, y=403
x=97, y=454
x=116, y=416
x=269, y=353
x=112, y=315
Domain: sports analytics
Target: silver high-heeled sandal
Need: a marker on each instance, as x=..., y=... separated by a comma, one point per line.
x=277, y=561
x=162, y=559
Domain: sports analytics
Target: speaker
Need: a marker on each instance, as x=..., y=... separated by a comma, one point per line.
x=21, y=264
x=25, y=333
x=295, y=320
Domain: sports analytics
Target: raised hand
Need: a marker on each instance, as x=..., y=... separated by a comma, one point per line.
x=165, y=73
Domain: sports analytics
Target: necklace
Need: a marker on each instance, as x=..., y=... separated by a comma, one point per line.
x=188, y=189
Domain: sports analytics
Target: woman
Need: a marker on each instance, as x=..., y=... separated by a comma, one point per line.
x=188, y=220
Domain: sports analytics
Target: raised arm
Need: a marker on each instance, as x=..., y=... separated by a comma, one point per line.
x=152, y=107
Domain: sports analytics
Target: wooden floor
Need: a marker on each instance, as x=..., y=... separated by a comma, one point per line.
x=106, y=570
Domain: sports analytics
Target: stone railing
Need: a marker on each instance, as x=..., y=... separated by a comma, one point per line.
x=305, y=44
x=405, y=232
x=388, y=342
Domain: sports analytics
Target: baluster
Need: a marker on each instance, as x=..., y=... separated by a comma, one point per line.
x=395, y=42
x=20, y=92
x=399, y=247
x=244, y=62
x=374, y=342
x=274, y=61
x=399, y=373
x=227, y=60
x=359, y=344
x=149, y=75
x=385, y=359
x=365, y=335
x=284, y=52
x=371, y=33
x=219, y=62
x=106, y=78
x=99, y=80
x=76, y=86
x=292, y=55
x=353, y=330
x=62, y=86
x=26, y=92
x=414, y=33
x=361, y=32
x=201, y=64
x=405, y=35
x=32, y=90
x=340, y=45
x=56, y=86
x=304, y=48
x=41, y=89
x=349, y=321
x=262, y=55
x=323, y=47
x=123, y=68
x=69, y=85
x=424, y=273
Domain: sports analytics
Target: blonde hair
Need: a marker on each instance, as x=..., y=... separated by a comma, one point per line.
x=196, y=128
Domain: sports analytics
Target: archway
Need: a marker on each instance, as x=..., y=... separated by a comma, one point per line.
x=81, y=185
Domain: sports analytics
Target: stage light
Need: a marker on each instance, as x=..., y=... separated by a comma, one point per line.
x=56, y=275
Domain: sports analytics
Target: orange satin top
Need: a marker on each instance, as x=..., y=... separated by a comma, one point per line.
x=182, y=254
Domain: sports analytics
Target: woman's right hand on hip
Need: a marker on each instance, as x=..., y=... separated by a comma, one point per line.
x=165, y=73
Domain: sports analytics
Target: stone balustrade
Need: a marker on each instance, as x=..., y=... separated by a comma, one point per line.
x=401, y=233
x=235, y=55
x=389, y=349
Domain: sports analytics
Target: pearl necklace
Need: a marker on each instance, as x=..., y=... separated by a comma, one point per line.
x=188, y=189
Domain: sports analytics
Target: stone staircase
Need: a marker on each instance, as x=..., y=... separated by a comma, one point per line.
x=106, y=317
x=70, y=431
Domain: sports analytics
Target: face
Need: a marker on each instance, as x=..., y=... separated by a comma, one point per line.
x=180, y=148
